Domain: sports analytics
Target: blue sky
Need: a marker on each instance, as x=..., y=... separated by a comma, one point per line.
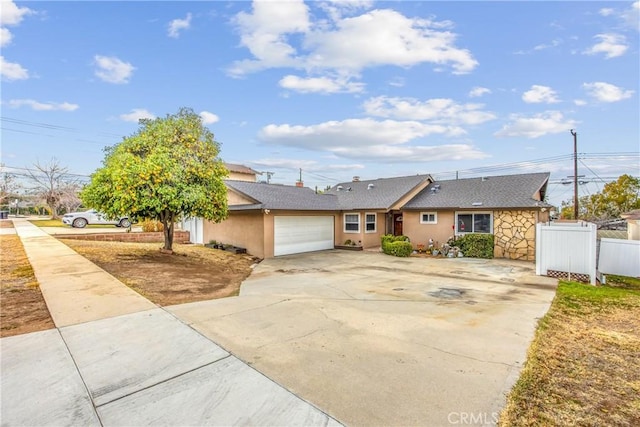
x=337, y=88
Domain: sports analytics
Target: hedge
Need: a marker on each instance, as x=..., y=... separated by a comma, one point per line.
x=476, y=245
x=396, y=245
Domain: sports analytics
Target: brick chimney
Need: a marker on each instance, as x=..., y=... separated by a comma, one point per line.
x=299, y=184
x=356, y=179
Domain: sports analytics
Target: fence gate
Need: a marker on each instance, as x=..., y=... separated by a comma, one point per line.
x=567, y=250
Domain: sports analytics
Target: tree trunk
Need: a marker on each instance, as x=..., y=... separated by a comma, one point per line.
x=54, y=210
x=167, y=221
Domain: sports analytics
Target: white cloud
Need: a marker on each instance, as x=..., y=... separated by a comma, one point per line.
x=535, y=126
x=113, y=70
x=479, y=91
x=264, y=32
x=397, y=82
x=630, y=16
x=43, y=106
x=307, y=165
x=320, y=84
x=539, y=94
x=438, y=110
x=606, y=92
x=337, y=9
x=398, y=41
x=12, y=71
x=610, y=44
x=606, y=11
x=5, y=37
x=208, y=118
x=136, y=114
x=368, y=139
x=362, y=132
x=543, y=46
x=580, y=102
x=178, y=25
x=11, y=14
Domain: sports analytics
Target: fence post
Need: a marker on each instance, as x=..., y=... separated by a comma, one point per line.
x=539, y=240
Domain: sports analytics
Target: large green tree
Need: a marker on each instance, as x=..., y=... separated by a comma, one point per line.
x=615, y=198
x=168, y=169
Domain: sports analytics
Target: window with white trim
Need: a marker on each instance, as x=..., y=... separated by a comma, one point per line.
x=370, y=222
x=428, y=217
x=474, y=222
x=351, y=223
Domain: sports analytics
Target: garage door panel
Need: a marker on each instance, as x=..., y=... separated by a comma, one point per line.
x=297, y=234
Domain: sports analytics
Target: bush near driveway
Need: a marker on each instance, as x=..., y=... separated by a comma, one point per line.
x=475, y=245
x=583, y=366
x=396, y=245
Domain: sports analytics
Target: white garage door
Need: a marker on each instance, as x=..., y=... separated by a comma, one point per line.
x=296, y=234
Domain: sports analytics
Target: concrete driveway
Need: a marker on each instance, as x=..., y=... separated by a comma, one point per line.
x=378, y=340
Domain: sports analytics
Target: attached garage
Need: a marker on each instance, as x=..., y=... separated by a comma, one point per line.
x=297, y=234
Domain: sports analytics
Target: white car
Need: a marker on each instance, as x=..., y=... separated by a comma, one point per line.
x=82, y=219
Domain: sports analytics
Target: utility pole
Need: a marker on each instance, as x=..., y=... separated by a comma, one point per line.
x=575, y=173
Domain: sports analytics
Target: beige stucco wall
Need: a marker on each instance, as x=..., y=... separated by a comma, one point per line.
x=421, y=233
x=245, y=230
x=515, y=234
x=234, y=198
x=369, y=240
x=514, y=231
x=254, y=230
x=237, y=176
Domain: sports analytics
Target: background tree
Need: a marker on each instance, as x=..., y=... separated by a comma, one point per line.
x=70, y=196
x=615, y=198
x=8, y=186
x=48, y=179
x=169, y=168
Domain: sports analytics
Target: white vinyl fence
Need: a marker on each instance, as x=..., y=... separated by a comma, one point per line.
x=621, y=257
x=566, y=248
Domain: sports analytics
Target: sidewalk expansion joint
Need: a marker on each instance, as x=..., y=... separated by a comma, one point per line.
x=165, y=380
x=73, y=359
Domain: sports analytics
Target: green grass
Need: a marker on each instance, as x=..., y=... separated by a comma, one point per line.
x=58, y=223
x=582, y=367
x=623, y=282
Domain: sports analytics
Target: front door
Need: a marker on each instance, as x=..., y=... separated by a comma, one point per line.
x=397, y=224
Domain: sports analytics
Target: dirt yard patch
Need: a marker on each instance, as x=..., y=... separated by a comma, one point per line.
x=193, y=273
x=23, y=308
x=583, y=366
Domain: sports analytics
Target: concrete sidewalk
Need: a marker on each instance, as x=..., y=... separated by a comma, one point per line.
x=117, y=359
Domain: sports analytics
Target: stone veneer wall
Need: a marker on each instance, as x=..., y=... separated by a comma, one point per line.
x=515, y=234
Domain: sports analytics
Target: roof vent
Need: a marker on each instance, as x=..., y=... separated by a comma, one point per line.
x=434, y=190
x=484, y=178
x=370, y=186
x=476, y=204
x=339, y=188
x=436, y=186
x=348, y=188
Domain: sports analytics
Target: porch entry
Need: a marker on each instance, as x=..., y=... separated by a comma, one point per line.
x=397, y=224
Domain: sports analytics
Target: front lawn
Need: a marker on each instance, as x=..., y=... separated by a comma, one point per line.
x=193, y=273
x=583, y=367
x=23, y=308
x=58, y=223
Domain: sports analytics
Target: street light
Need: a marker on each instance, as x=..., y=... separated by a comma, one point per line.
x=575, y=173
